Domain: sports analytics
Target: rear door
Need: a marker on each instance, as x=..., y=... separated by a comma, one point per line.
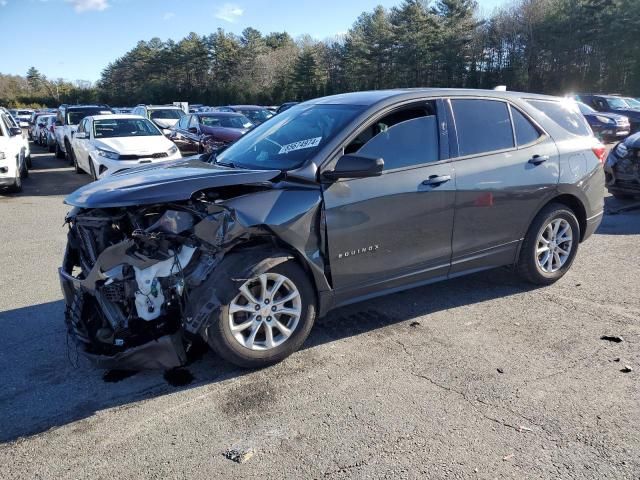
x=505, y=166
x=393, y=230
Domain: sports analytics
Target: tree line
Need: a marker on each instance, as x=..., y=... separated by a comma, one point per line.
x=542, y=46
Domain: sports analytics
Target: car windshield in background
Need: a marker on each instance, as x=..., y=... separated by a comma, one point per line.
x=257, y=116
x=75, y=116
x=290, y=139
x=227, y=121
x=124, y=127
x=24, y=112
x=617, y=102
x=585, y=109
x=165, y=113
x=632, y=102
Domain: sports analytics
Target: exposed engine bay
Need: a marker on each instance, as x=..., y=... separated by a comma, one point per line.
x=138, y=280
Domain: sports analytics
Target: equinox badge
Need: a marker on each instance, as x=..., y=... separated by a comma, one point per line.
x=358, y=251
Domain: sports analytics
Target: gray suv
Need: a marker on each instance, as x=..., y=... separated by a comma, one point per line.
x=334, y=201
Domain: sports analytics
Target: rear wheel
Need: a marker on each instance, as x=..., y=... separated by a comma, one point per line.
x=69, y=154
x=550, y=245
x=59, y=152
x=268, y=318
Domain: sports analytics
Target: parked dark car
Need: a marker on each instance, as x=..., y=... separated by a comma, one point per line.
x=208, y=132
x=285, y=106
x=254, y=113
x=612, y=104
x=622, y=168
x=607, y=126
x=336, y=201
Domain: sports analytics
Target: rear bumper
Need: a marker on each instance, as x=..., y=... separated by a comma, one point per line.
x=592, y=225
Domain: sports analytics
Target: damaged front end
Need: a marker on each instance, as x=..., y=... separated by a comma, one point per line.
x=137, y=280
x=622, y=168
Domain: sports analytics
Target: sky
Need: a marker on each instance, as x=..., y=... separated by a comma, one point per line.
x=76, y=39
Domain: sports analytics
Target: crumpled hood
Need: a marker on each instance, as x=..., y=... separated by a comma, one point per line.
x=165, y=122
x=136, y=145
x=632, y=141
x=161, y=183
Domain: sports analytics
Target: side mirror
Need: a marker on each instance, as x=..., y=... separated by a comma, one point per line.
x=13, y=131
x=193, y=130
x=356, y=166
x=81, y=135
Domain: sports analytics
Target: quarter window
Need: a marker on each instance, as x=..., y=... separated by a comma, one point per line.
x=194, y=122
x=403, y=138
x=482, y=126
x=565, y=114
x=526, y=132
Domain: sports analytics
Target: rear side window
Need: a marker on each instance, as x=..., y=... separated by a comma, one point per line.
x=564, y=114
x=526, y=132
x=482, y=126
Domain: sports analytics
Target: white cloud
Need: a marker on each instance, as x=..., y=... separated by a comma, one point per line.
x=229, y=12
x=168, y=16
x=3, y=3
x=89, y=5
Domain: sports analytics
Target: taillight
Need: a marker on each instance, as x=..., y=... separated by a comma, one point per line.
x=600, y=151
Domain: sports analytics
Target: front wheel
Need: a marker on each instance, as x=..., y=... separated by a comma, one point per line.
x=268, y=318
x=550, y=245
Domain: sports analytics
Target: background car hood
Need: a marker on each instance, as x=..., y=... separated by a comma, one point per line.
x=135, y=145
x=161, y=183
x=615, y=116
x=165, y=122
x=224, y=133
x=635, y=114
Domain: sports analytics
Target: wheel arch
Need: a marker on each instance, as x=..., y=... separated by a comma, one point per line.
x=574, y=203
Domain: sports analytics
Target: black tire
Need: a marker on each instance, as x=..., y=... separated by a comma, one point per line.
x=92, y=171
x=24, y=170
x=219, y=333
x=29, y=161
x=52, y=148
x=527, y=265
x=69, y=154
x=17, y=183
x=59, y=152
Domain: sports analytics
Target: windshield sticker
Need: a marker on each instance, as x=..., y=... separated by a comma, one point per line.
x=309, y=143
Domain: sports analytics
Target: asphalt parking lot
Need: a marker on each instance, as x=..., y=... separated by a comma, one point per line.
x=479, y=377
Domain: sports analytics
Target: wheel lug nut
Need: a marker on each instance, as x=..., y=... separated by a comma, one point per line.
x=257, y=307
x=259, y=317
x=268, y=319
x=266, y=302
x=273, y=309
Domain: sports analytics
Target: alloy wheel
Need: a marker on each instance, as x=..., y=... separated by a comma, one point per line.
x=265, y=312
x=554, y=244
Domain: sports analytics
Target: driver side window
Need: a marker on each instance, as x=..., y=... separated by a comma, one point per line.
x=193, y=123
x=404, y=138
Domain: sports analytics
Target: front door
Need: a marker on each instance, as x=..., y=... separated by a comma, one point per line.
x=393, y=230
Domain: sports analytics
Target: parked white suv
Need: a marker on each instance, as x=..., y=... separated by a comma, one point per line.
x=25, y=142
x=164, y=116
x=69, y=116
x=13, y=165
x=107, y=144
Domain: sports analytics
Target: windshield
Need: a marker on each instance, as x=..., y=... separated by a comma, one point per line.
x=124, y=127
x=256, y=116
x=615, y=102
x=585, y=109
x=632, y=102
x=291, y=138
x=24, y=112
x=227, y=121
x=166, y=113
x=75, y=116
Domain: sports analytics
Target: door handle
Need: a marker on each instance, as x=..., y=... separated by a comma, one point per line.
x=435, y=180
x=538, y=159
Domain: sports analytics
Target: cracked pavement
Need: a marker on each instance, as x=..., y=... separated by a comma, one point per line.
x=372, y=394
